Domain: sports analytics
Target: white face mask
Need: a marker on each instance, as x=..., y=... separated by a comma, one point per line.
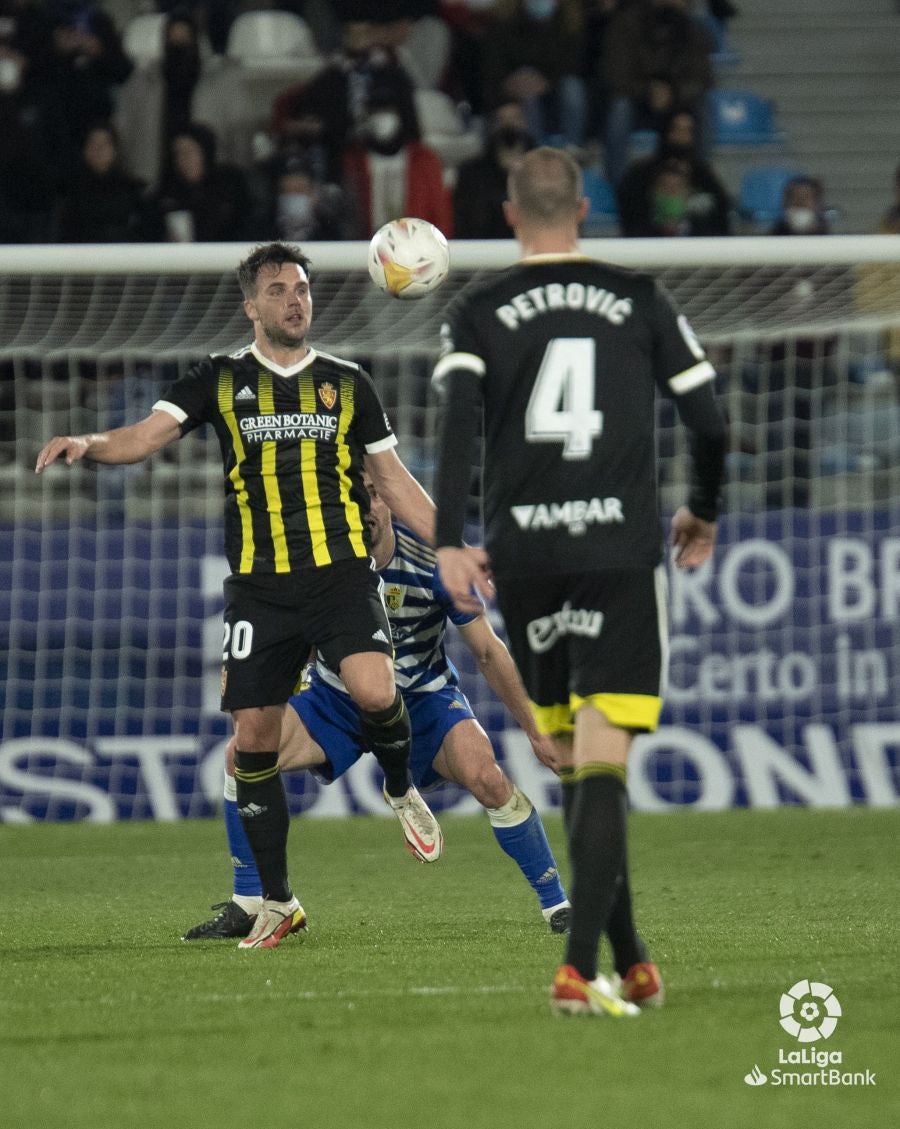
x=295, y=215
x=383, y=125
x=801, y=219
x=10, y=74
x=540, y=9
x=296, y=206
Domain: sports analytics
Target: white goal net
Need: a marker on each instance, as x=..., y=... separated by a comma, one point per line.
x=784, y=677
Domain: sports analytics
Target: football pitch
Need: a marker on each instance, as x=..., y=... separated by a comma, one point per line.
x=420, y=996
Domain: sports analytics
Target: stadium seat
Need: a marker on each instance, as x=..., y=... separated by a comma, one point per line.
x=604, y=214
x=426, y=52
x=142, y=39
x=269, y=39
x=723, y=54
x=761, y=191
x=443, y=129
x=740, y=117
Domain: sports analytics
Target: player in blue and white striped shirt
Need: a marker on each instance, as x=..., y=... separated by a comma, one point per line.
x=321, y=730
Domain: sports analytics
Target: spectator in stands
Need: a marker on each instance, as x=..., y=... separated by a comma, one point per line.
x=25, y=30
x=469, y=24
x=481, y=182
x=157, y=100
x=86, y=67
x=215, y=17
x=704, y=206
x=598, y=18
x=793, y=377
x=722, y=10
x=886, y=279
x=28, y=184
x=329, y=109
x=656, y=57
x=890, y=224
x=533, y=55
x=200, y=200
x=298, y=206
x=389, y=172
x=803, y=210
x=103, y=204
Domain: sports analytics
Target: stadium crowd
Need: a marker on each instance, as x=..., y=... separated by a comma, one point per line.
x=345, y=113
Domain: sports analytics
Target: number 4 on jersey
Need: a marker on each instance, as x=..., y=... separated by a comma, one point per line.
x=561, y=407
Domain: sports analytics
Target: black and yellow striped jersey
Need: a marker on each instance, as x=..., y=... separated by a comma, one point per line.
x=293, y=443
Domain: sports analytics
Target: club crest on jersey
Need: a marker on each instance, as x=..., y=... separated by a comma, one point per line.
x=394, y=595
x=327, y=394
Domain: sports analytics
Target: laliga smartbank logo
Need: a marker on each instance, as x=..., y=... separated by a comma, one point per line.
x=809, y=1012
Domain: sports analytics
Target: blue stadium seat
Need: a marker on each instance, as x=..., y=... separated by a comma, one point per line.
x=723, y=54
x=740, y=117
x=604, y=213
x=761, y=191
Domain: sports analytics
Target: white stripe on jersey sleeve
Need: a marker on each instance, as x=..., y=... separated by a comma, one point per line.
x=457, y=360
x=382, y=444
x=173, y=410
x=692, y=378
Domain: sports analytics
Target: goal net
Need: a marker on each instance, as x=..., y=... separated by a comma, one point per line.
x=784, y=652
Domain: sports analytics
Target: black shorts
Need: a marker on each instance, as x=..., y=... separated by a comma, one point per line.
x=273, y=621
x=598, y=638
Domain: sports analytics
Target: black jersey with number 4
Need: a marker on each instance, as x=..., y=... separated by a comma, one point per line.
x=293, y=443
x=570, y=353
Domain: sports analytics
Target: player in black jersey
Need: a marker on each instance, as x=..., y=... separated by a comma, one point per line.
x=565, y=356
x=296, y=428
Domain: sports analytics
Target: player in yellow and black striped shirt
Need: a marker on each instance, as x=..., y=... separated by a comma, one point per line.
x=296, y=429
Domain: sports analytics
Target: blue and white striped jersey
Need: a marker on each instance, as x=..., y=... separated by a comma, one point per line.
x=418, y=607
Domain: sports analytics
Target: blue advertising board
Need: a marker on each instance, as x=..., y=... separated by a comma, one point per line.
x=783, y=677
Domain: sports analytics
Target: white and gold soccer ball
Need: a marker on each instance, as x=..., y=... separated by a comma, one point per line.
x=408, y=258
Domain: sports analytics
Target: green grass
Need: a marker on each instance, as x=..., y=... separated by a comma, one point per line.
x=419, y=998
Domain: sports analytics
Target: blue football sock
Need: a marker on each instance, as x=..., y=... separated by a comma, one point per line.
x=246, y=876
x=525, y=841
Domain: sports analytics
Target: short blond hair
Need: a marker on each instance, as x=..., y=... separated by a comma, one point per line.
x=546, y=186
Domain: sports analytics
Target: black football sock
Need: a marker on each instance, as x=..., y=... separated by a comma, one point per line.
x=627, y=946
x=596, y=852
x=388, y=735
x=263, y=809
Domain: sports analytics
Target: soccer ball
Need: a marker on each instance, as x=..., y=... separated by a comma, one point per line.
x=408, y=258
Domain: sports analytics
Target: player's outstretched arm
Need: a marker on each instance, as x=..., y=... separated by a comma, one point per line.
x=130, y=444
x=502, y=675
x=692, y=538
x=405, y=497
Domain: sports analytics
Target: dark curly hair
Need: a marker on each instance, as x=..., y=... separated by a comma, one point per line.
x=268, y=255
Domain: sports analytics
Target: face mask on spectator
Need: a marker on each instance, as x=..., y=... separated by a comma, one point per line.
x=668, y=209
x=678, y=149
x=10, y=74
x=384, y=126
x=297, y=207
x=508, y=137
x=540, y=9
x=295, y=213
x=801, y=220
x=181, y=66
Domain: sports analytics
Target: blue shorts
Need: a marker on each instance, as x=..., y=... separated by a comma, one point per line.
x=332, y=720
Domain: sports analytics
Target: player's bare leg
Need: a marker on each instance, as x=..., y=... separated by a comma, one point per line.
x=467, y=758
